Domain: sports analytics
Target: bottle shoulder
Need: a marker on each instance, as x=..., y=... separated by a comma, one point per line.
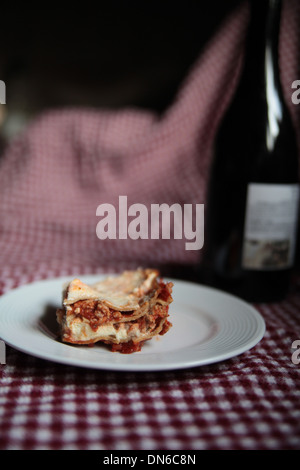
x=249, y=151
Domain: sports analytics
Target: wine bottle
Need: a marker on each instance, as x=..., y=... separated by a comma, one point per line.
x=253, y=192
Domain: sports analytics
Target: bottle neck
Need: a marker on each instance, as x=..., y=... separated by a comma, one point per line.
x=260, y=81
x=262, y=41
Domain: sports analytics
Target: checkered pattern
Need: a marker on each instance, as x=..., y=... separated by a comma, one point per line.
x=52, y=178
x=248, y=402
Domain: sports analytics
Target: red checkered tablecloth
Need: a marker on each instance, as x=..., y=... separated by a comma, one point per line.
x=52, y=178
x=249, y=402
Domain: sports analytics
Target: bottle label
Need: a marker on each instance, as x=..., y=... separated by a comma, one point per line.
x=270, y=226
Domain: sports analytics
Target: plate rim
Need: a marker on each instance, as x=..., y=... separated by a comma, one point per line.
x=127, y=367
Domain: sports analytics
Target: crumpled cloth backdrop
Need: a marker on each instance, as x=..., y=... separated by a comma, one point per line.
x=52, y=178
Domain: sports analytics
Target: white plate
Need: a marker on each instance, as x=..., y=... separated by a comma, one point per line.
x=208, y=326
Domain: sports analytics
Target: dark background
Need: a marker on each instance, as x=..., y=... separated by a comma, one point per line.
x=118, y=54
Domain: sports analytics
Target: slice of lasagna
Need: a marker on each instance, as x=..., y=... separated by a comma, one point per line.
x=122, y=311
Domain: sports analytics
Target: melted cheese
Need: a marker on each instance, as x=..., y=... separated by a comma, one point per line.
x=117, y=292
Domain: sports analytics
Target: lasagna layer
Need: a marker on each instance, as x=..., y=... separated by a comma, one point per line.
x=122, y=311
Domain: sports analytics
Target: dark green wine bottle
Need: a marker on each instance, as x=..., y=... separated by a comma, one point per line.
x=253, y=192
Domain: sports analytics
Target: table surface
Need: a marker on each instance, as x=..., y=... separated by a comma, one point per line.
x=248, y=402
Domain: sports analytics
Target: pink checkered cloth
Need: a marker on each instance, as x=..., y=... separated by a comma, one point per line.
x=52, y=178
